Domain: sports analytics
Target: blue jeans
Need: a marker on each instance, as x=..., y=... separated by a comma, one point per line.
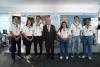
x=87, y=45
x=64, y=48
x=76, y=44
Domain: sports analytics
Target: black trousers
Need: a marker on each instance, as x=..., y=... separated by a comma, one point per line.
x=38, y=40
x=13, y=47
x=49, y=45
x=27, y=44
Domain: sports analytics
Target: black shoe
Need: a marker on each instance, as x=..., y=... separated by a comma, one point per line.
x=52, y=58
x=13, y=60
x=19, y=57
x=35, y=53
x=47, y=57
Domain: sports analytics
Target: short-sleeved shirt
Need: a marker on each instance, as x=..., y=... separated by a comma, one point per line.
x=64, y=34
x=76, y=29
x=15, y=29
x=28, y=31
x=89, y=31
x=38, y=28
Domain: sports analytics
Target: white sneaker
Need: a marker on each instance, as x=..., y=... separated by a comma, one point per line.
x=27, y=57
x=30, y=56
x=61, y=57
x=28, y=61
x=79, y=56
x=72, y=56
x=90, y=58
x=83, y=56
x=67, y=57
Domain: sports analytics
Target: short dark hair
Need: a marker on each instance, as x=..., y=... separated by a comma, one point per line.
x=19, y=18
x=38, y=16
x=76, y=17
x=27, y=22
x=88, y=19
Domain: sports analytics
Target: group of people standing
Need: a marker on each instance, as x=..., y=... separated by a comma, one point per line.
x=38, y=32
x=77, y=34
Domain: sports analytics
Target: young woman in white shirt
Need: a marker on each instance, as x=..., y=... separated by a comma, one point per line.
x=28, y=37
x=64, y=34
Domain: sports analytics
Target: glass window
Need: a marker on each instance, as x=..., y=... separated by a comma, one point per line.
x=5, y=22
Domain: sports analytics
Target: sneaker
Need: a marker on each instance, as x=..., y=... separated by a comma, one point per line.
x=52, y=58
x=28, y=61
x=83, y=56
x=18, y=57
x=61, y=57
x=90, y=58
x=30, y=56
x=27, y=57
x=79, y=56
x=13, y=61
x=72, y=56
x=66, y=57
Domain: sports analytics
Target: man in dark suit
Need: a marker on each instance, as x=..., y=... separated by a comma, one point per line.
x=49, y=35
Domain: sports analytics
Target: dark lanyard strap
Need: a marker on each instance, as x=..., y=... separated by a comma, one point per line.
x=76, y=25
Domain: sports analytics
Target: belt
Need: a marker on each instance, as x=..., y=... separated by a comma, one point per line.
x=29, y=37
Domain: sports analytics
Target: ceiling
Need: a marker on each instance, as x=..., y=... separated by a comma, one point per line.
x=25, y=6
x=47, y=1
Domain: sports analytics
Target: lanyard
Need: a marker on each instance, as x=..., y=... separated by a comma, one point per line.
x=16, y=27
x=29, y=28
x=76, y=26
x=64, y=32
x=87, y=28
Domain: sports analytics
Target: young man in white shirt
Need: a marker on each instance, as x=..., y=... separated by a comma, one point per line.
x=76, y=29
x=38, y=39
x=15, y=31
x=88, y=32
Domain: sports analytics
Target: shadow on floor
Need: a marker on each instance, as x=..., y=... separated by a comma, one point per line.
x=41, y=61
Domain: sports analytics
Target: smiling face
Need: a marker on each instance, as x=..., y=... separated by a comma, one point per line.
x=29, y=23
x=48, y=20
x=16, y=20
x=64, y=25
x=87, y=22
x=76, y=19
x=38, y=18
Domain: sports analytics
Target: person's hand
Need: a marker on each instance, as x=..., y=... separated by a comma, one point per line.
x=30, y=39
x=17, y=38
x=65, y=38
x=55, y=41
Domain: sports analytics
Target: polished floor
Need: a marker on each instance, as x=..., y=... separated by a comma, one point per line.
x=41, y=61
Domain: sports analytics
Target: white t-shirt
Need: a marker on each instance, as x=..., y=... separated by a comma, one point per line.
x=89, y=32
x=28, y=31
x=64, y=34
x=16, y=29
x=76, y=29
x=38, y=29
